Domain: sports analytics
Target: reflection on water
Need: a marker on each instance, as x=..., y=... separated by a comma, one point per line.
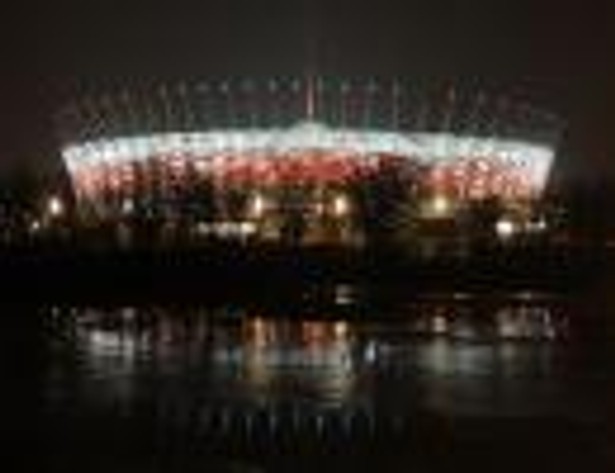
x=455, y=360
x=430, y=383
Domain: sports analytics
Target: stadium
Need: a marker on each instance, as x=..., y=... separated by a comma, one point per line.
x=310, y=161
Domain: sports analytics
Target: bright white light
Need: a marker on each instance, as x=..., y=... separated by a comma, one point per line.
x=35, y=226
x=258, y=206
x=340, y=329
x=128, y=206
x=341, y=206
x=505, y=228
x=439, y=325
x=540, y=225
x=247, y=228
x=226, y=229
x=440, y=206
x=55, y=207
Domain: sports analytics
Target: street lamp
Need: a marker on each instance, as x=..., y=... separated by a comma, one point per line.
x=35, y=226
x=128, y=206
x=341, y=206
x=440, y=206
x=258, y=206
x=505, y=228
x=55, y=207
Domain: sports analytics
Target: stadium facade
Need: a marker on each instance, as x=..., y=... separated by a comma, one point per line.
x=307, y=162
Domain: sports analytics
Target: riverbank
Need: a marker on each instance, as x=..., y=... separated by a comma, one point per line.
x=72, y=274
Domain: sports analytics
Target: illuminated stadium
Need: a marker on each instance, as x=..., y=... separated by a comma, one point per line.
x=305, y=161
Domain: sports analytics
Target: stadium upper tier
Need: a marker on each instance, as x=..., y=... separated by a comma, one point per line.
x=529, y=162
x=313, y=130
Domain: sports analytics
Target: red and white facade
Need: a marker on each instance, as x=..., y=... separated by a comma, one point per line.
x=113, y=175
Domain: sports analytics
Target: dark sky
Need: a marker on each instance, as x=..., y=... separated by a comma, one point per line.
x=558, y=54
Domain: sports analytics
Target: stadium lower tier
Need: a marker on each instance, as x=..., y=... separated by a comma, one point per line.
x=306, y=198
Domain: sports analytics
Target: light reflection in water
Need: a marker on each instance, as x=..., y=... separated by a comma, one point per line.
x=448, y=358
x=315, y=355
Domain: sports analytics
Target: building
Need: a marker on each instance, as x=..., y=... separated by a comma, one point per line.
x=307, y=162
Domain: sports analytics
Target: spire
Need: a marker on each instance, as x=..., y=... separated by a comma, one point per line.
x=310, y=98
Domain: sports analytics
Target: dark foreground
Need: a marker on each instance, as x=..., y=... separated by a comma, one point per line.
x=444, y=385
x=67, y=273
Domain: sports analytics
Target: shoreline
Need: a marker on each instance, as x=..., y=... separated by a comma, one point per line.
x=72, y=274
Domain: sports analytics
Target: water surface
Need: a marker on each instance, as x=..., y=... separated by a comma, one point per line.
x=255, y=383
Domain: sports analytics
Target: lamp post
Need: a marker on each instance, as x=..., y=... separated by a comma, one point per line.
x=55, y=208
x=505, y=229
x=53, y=214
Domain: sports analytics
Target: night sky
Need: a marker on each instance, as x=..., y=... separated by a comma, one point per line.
x=557, y=54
